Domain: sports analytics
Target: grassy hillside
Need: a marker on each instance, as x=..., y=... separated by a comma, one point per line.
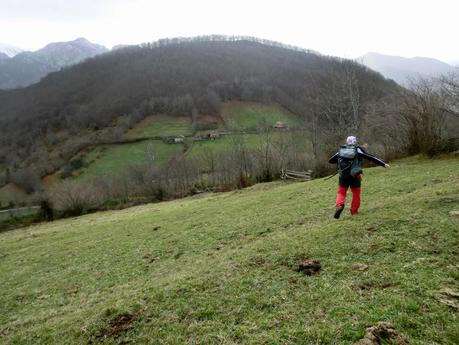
x=220, y=269
x=225, y=143
x=237, y=116
x=249, y=115
x=113, y=159
x=161, y=126
x=174, y=76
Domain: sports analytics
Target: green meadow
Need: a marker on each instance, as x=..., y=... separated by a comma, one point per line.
x=238, y=117
x=222, y=268
x=161, y=126
x=247, y=115
x=112, y=159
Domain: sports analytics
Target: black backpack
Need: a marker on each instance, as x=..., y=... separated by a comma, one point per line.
x=348, y=161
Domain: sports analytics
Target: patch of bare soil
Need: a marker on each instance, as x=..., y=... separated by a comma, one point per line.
x=382, y=333
x=116, y=327
x=449, y=297
x=309, y=267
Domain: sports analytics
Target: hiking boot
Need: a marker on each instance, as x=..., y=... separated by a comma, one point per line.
x=338, y=211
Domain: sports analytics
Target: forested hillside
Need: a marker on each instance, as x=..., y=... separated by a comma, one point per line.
x=47, y=123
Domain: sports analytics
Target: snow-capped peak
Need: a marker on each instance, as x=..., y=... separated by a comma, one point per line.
x=9, y=50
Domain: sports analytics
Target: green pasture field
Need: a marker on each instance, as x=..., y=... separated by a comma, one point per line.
x=161, y=126
x=221, y=268
x=112, y=159
x=247, y=115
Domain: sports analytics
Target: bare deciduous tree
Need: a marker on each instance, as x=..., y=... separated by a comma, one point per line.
x=72, y=197
x=425, y=113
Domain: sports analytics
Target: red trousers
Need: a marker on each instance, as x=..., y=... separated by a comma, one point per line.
x=341, y=198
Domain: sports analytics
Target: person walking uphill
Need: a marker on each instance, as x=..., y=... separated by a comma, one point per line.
x=348, y=160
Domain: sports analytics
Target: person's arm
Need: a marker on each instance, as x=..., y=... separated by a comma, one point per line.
x=333, y=159
x=372, y=158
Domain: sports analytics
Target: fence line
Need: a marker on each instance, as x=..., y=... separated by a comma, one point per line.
x=296, y=175
x=18, y=212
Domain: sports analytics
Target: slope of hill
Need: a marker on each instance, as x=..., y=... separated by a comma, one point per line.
x=402, y=70
x=221, y=269
x=27, y=68
x=245, y=115
x=109, y=160
x=153, y=131
x=184, y=78
x=161, y=126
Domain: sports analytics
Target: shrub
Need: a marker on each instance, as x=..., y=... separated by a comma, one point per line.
x=72, y=198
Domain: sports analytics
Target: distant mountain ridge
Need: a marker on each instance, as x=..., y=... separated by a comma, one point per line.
x=29, y=67
x=402, y=70
x=9, y=50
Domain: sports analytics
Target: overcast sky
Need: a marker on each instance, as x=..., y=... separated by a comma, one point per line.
x=347, y=28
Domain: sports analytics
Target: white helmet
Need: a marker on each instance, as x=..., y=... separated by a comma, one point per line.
x=351, y=140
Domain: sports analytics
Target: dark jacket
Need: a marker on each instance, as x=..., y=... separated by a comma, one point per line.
x=361, y=154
